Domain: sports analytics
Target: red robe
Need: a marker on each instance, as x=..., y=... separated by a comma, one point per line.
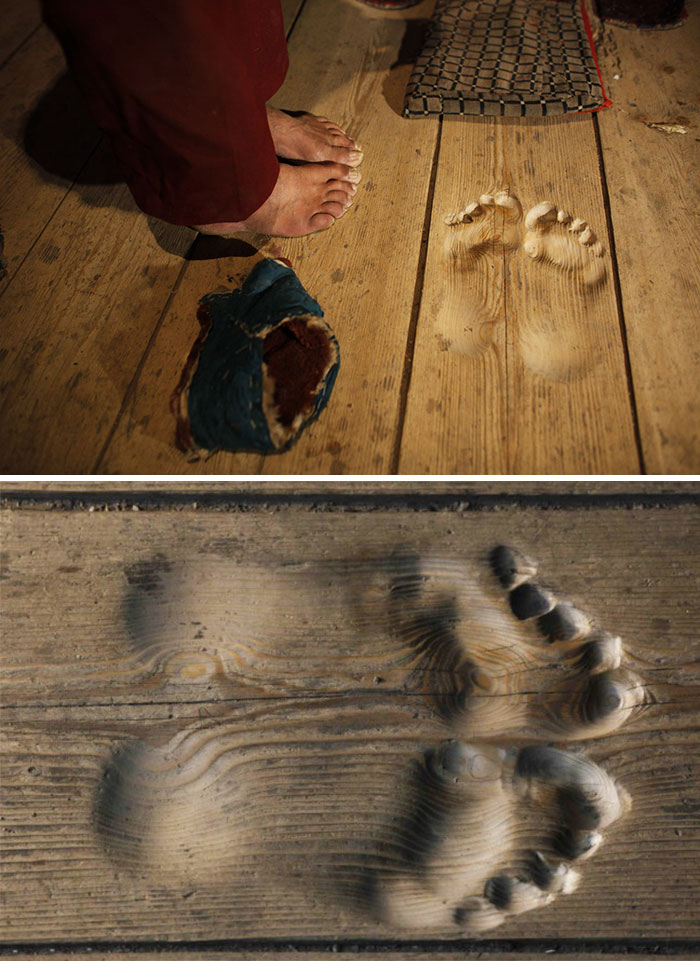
x=180, y=86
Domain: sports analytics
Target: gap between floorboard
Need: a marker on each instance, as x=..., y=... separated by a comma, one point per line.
x=415, y=312
x=466, y=500
x=618, y=295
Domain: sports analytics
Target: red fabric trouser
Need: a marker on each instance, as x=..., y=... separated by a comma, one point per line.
x=180, y=87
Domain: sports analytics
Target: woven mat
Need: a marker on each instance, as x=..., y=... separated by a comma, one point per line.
x=506, y=58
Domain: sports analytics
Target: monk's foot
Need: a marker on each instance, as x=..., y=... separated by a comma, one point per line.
x=311, y=138
x=305, y=199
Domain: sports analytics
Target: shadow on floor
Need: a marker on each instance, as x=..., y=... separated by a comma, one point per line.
x=66, y=147
x=394, y=87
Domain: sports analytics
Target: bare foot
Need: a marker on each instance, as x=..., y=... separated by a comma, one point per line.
x=305, y=199
x=311, y=138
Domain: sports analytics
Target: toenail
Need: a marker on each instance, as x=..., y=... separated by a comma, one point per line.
x=355, y=156
x=354, y=174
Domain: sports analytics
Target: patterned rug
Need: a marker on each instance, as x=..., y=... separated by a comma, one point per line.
x=506, y=58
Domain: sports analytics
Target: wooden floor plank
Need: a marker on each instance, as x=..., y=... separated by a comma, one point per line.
x=131, y=595
x=290, y=11
x=293, y=806
x=79, y=314
x=534, y=378
x=467, y=489
x=39, y=109
x=72, y=347
x=518, y=364
x=19, y=19
x=163, y=806
x=367, y=297
x=653, y=176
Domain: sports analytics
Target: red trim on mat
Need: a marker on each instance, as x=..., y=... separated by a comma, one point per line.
x=589, y=32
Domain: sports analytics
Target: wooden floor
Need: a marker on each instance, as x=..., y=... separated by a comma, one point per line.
x=209, y=734
x=450, y=364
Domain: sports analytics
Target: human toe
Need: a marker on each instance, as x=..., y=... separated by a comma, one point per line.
x=341, y=197
x=334, y=208
x=321, y=221
x=344, y=186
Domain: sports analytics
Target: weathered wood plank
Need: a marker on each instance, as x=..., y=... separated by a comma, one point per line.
x=138, y=607
x=213, y=816
x=357, y=80
x=72, y=347
x=653, y=173
x=513, y=487
x=518, y=365
x=270, y=821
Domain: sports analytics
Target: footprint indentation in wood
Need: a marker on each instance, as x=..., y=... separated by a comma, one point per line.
x=492, y=228
x=502, y=815
x=491, y=820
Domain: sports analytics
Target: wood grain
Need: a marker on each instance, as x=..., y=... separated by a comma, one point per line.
x=514, y=487
x=127, y=596
x=542, y=392
x=290, y=10
x=357, y=79
x=653, y=178
x=518, y=364
x=300, y=804
x=68, y=364
x=173, y=806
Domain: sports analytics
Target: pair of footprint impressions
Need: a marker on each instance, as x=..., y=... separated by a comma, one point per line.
x=550, y=342
x=513, y=670
x=551, y=235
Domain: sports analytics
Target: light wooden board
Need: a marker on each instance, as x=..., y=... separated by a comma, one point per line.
x=518, y=365
x=362, y=271
x=124, y=582
x=325, y=770
x=653, y=179
x=305, y=805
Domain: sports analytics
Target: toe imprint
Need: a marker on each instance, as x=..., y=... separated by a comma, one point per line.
x=492, y=227
x=570, y=244
x=471, y=792
x=498, y=818
x=490, y=223
x=484, y=229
